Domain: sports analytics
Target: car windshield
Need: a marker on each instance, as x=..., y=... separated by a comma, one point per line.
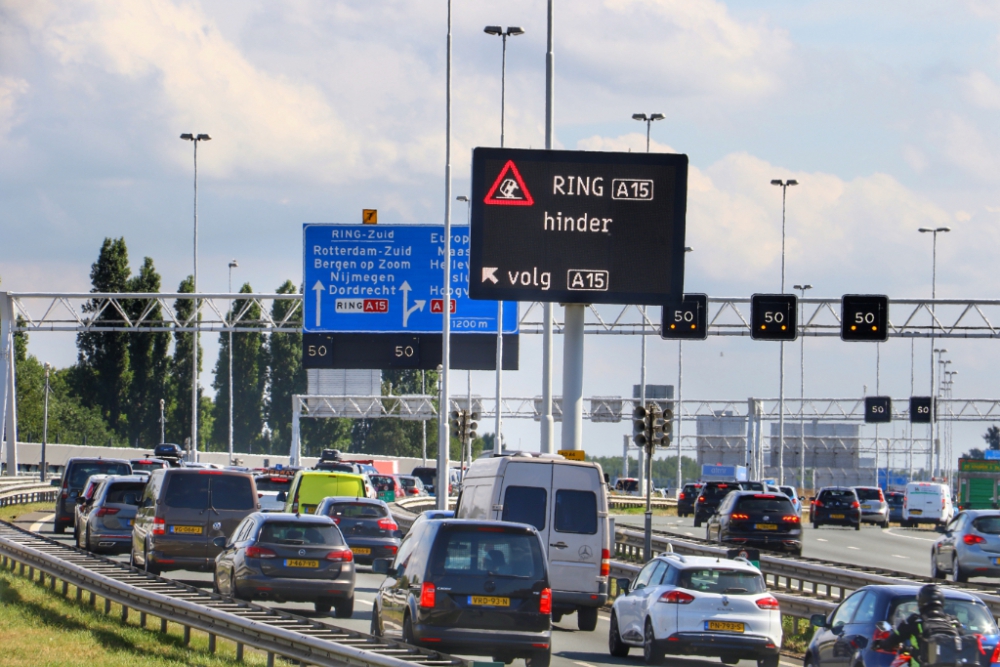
x=82, y=471
x=357, y=510
x=628, y=485
x=488, y=550
x=989, y=525
x=764, y=502
x=292, y=532
x=125, y=493
x=272, y=483
x=973, y=616
x=383, y=482
x=867, y=494
x=718, y=580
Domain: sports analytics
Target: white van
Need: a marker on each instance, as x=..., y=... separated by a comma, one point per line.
x=927, y=502
x=567, y=502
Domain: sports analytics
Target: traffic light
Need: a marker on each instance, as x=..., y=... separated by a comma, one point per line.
x=864, y=317
x=878, y=409
x=773, y=317
x=687, y=320
x=920, y=409
x=458, y=424
x=472, y=426
x=641, y=426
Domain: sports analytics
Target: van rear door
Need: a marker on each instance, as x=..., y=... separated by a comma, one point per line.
x=576, y=538
x=524, y=496
x=233, y=498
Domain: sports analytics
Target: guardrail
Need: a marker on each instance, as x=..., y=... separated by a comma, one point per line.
x=33, y=493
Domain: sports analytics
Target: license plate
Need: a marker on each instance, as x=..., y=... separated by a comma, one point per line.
x=836, y=516
x=724, y=626
x=916, y=511
x=867, y=507
x=766, y=526
x=996, y=561
x=488, y=601
x=186, y=530
x=294, y=562
x=131, y=522
x=361, y=551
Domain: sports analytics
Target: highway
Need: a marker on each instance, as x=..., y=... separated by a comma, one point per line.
x=570, y=647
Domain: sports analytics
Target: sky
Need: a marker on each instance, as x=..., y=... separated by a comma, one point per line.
x=882, y=111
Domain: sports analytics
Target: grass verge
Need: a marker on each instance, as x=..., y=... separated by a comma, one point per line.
x=11, y=512
x=796, y=635
x=669, y=511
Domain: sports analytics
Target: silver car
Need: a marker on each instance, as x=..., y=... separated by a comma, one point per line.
x=970, y=547
x=107, y=525
x=874, y=508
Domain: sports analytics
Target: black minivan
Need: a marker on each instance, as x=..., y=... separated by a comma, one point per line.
x=464, y=586
x=74, y=478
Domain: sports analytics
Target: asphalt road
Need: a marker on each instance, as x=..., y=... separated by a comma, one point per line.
x=570, y=647
x=901, y=549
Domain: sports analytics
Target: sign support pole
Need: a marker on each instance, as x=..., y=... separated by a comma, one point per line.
x=572, y=430
x=444, y=438
x=547, y=422
x=8, y=385
x=498, y=442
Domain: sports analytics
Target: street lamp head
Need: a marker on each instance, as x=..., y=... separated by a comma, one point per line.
x=791, y=181
x=462, y=198
x=493, y=30
x=776, y=181
x=514, y=30
x=924, y=230
x=203, y=137
x=802, y=287
x=657, y=116
x=688, y=249
x=639, y=116
x=234, y=264
x=188, y=136
x=943, y=229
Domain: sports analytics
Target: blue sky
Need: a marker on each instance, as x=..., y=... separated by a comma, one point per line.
x=885, y=113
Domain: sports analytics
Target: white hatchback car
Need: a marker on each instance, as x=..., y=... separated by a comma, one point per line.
x=692, y=605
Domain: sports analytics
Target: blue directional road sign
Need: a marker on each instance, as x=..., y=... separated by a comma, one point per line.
x=387, y=279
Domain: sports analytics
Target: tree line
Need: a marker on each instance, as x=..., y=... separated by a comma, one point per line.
x=111, y=395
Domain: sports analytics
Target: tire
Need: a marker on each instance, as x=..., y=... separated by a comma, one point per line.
x=323, y=606
x=86, y=541
x=729, y=659
x=586, y=618
x=408, y=630
x=235, y=593
x=616, y=647
x=697, y=524
x=540, y=659
x=376, y=628
x=936, y=572
x=885, y=526
x=768, y=661
x=957, y=575
x=815, y=525
x=344, y=608
x=651, y=655
x=215, y=583
x=147, y=564
x=57, y=527
x=857, y=526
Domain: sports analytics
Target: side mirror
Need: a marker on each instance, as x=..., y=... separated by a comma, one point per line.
x=55, y=483
x=281, y=497
x=802, y=497
x=818, y=620
x=623, y=585
x=220, y=542
x=381, y=566
x=942, y=529
x=81, y=500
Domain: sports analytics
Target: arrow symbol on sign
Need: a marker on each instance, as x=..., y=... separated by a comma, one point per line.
x=417, y=305
x=488, y=272
x=318, y=287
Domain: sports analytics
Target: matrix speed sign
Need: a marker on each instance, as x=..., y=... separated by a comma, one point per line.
x=577, y=227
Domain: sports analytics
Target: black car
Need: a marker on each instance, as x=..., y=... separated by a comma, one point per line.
x=836, y=506
x=367, y=525
x=686, y=499
x=757, y=519
x=895, y=500
x=844, y=638
x=713, y=493
x=74, y=478
x=474, y=587
x=169, y=452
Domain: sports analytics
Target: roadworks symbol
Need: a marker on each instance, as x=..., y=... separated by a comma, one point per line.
x=509, y=188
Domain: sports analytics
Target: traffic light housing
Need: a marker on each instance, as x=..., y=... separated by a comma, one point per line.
x=471, y=427
x=920, y=409
x=878, y=409
x=457, y=423
x=687, y=320
x=641, y=426
x=773, y=317
x=864, y=317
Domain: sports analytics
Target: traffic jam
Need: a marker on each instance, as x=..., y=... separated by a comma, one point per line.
x=530, y=542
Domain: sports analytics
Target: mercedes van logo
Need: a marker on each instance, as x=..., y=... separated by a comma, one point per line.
x=302, y=552
x=585, y=553
x=766, y=518
x=490, y=586
x=217, y=525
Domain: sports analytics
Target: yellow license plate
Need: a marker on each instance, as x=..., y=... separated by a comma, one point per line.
x=186, y=530
x=836, y=516
x=293, y=562
x=916, y=511
x=724, y=626
x=361, y=551
x=488, y=601
x=767, y=526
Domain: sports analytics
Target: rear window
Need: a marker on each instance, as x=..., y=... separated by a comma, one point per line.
x=82, y=471
x=837, y=494
x=729, y=582
x=147, y=465
x=975, y=618
x=488, y=551
x=125, y=493
x=628, y=485
x=576, y=512
x=232, y=492
x=867, y=494
x=717, y=491
x=187, y=492
x=409, y=482
x=525, y=504
x=895, y=499
x=764, y=503
x=426, y=475
x=357, y=511
x=273, y=483
x=281, y=532
x=691, y=488
x=990, y=525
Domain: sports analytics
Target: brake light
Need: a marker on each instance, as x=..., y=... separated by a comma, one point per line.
x=65, y=488
x=768, y=603
x=209, y=472
x=880, y=496
x=739, y=516
x=341, y=555
x=295, y=507
x=387, y=524
x=817, y=503
x=879, y=636
x=104, y=511
x=791, y=519
x=677, y=597
x=996, y=654
x=605, y=563
x=259, y=552
x=427, y=595
x=855, y=505
x=680, y=496
x=942, y=503
x=723, y=486
x=973, y=539
x=159, y=526
x=763, y=495
x=701, y=499
x=490, y=529
x=545, y=601
x=336, y=519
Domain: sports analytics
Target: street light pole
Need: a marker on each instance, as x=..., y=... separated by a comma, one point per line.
x=232, y=265
x=781, y=382
x=195, y=138
x=546, y=423
x=512, y=31
x=802, y=389
x=163, y=421
x=43, y=464
x=444, y=437
x=930, y=427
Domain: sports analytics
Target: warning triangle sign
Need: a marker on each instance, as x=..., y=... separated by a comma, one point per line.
x=509, y=188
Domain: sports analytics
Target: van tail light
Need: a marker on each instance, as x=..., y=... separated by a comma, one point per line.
x=996, y=654
x=105, y=511
x=879, y=636
x=942, y=503
x=65, y=488
x=855, y=505
x=737, y=517
x=817, y=503
x=387, y=524
x=680, y=496
x=259, y=552
x=768, y=603
x=605, y=563
x=545, y=601
x=427, y=595
x=341, y=555
x=676, y=597
x=973, y=539
x=791, y=518
x=701, y=499
x=159, y=526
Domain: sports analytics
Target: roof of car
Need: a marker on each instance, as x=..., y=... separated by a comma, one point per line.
x=353, y=499
x=299, y=518
x=913, y=589
x=979, y=513
x=686, y=562
x=478, y=522
x=141, y=479
x=93, y=459
x=836, y=488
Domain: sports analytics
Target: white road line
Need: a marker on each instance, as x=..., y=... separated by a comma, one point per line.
x=911, y=537
x=37, y=526
x=855, y=548
x=686, y=532
x=369, y=602
x=898, y=556
x=818, y=539
x=577, y=662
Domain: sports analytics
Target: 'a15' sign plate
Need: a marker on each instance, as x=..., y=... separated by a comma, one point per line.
x=577, y=227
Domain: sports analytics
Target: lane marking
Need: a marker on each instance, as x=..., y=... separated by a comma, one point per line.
x=37, y=526
x=686, y=532
x=912, y=537
x=820, y=539
x=582, y=664
x=855, y=548
x=898, y=556
x=367, y=602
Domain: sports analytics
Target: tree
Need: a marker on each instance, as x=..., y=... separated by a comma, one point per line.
x=992, y=437
x=286, y=376
x=104, y=374
x=179, y=388
x=150, y=362
x=974, y=453
x=249, y=382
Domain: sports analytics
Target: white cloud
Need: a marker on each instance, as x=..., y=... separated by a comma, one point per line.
x=980, y=90
x=11, y=88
